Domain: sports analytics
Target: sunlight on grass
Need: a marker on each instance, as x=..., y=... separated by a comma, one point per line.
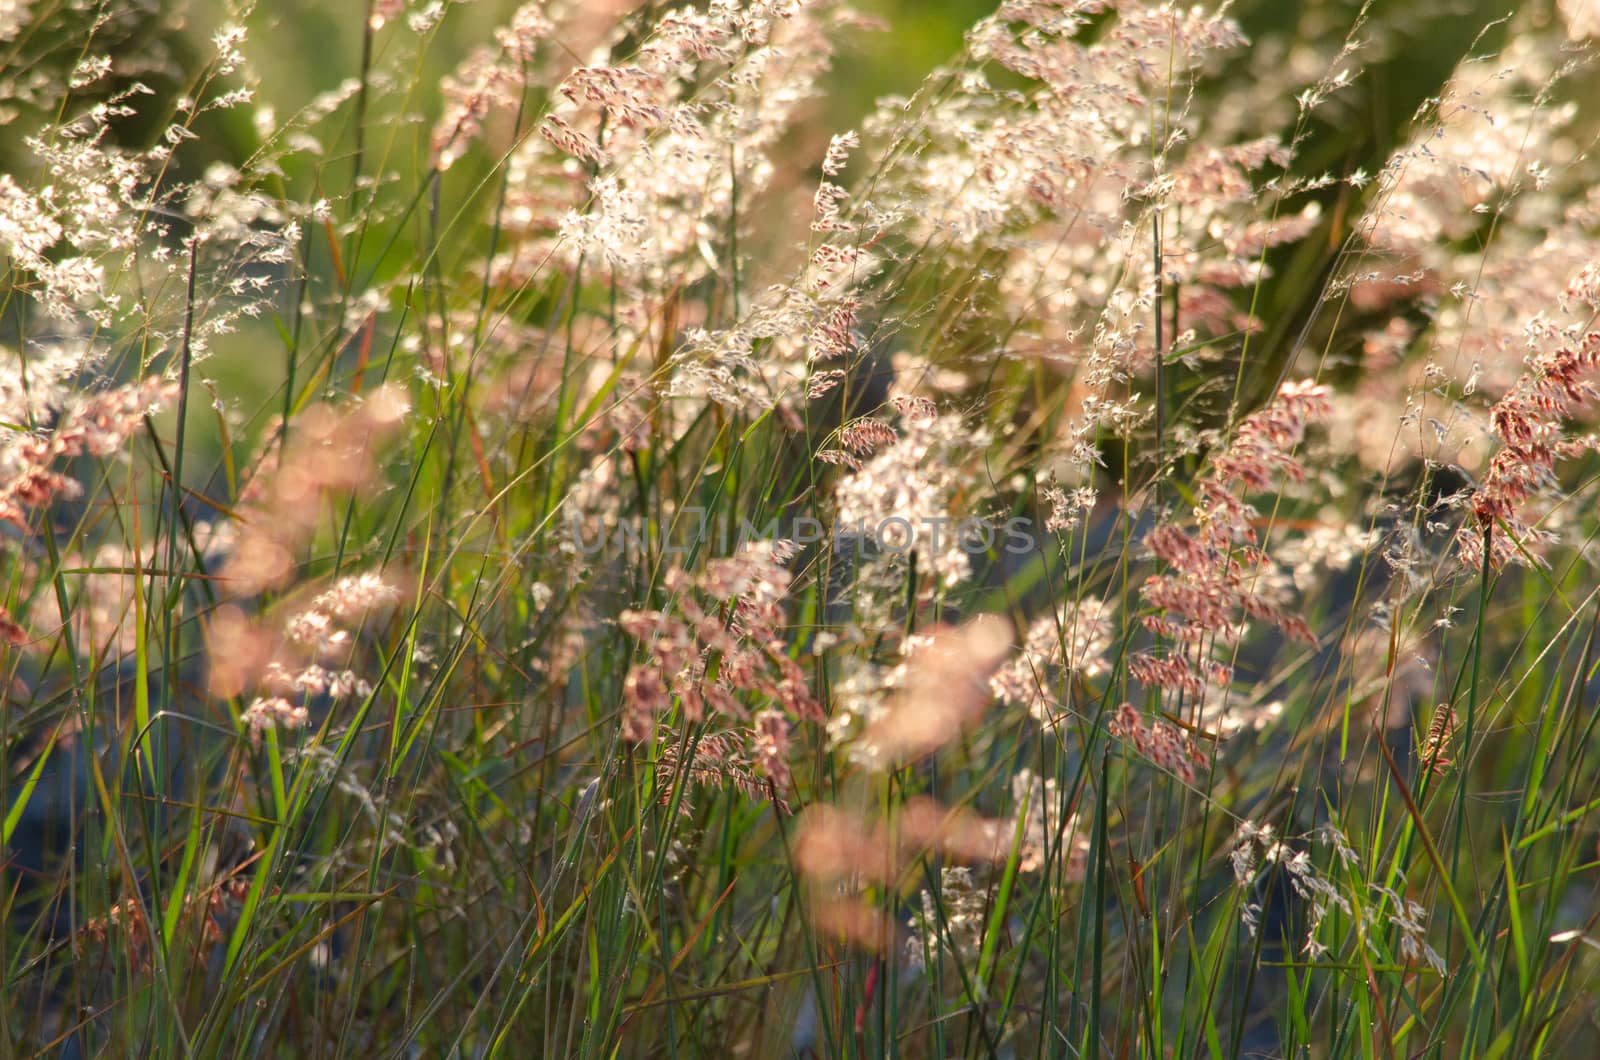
x=591, y=530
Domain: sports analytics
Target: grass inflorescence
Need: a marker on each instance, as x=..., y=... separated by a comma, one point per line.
x=541, y=543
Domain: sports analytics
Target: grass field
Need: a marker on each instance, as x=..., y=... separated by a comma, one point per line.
x=776, y=530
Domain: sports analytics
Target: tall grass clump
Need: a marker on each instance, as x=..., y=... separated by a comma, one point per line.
x=565, y=530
